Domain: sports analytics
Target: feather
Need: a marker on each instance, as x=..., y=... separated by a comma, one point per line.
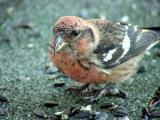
x=121, y=42
x=152, y=28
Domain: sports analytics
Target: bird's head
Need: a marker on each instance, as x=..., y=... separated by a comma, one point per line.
x=72, y=32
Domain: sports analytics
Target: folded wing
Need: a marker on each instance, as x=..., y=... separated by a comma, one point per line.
x=121, y=42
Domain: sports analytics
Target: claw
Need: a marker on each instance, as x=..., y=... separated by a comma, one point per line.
x=108, y=90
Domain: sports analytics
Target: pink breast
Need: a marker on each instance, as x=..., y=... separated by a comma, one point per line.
x=75, y=71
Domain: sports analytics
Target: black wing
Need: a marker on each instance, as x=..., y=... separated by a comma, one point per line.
x=121, y=42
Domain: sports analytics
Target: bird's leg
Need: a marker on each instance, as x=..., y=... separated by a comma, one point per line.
x=82, y=88
x=110, y=90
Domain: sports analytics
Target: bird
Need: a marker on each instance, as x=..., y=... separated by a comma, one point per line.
x=95, y=51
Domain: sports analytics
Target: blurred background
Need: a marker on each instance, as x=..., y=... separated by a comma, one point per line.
x=27, y=77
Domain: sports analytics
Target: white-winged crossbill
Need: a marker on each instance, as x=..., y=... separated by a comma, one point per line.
x=98, y=51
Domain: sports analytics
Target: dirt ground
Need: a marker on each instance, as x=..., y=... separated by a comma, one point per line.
x=25, y=32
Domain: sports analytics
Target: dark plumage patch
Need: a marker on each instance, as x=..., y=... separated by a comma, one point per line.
x=103, y=49
x=112, y=36
x=152, y=28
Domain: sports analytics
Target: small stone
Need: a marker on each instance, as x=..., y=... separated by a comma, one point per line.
x=101, y=116
x=61, y=115
x=50, y=70
x=124, y=118
x=3, y=88
x=46, y=66
x=121, y=94
x=25, y=24
x=34, y=34
x=40, y=113
x=51, y=77
x=73, y=111
x=108, y=106
x=102, y=16
x=134, y=6
x=84, y=13
x=125, y=18
x=28, y=78
x=158, y=52
x=2, y=113
x=141, y=69
x=3, y=98
x=148, y=53
x=10, y=10
x=64, y=117
x=87, y=108
x=5, y=38
x=30, y=45
x=157, y=93
x=82, y=114
x=88, y=3
x=59, y=84
x=50, y=103
x=120, y=111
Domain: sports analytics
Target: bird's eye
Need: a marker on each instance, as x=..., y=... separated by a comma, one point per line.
x=74, y=32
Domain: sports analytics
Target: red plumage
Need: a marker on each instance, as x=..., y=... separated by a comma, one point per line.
x=96, y=51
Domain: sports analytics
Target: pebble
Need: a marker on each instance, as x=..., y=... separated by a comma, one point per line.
x=30, y=45
x=141, y=69
x=40, y=113
x=59, y=84
x=25, y=24
x=3, y=98
x=50, y=103
x=35, y=34
x=125, y=19
x=158, y=52
x=101, y=116
x=5, y=38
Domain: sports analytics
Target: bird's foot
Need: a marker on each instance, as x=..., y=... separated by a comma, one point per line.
x=110, y=90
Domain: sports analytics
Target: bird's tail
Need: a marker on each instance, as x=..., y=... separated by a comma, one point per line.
x=153, y=28
x=156, y=32
x=156, y=29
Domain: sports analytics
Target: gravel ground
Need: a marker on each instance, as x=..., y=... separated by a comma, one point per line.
x=25, y=31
